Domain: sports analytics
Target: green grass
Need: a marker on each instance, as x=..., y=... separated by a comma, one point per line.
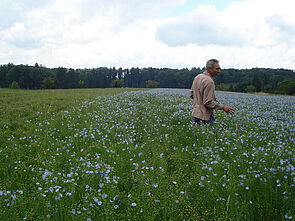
x=137, y=156
x=19, y=106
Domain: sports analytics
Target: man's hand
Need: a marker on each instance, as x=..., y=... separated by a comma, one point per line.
x=228, y=109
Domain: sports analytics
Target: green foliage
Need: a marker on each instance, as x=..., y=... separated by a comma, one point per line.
x=250, y=89
x=256, y=83
x=48, y=83
x=118, y=83
x=267, y=88
x=222, y=87
x=286, y=86
x=241, y=86
x=81, y=83
x=14, y=85
x=152, y=84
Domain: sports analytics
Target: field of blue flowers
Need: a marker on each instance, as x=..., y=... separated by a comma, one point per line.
x=137, y=156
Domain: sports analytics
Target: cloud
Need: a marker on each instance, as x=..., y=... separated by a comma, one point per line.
x=202, y=27
x=126, y=33
x=240, y=24
x=282, y=29
x=13, y=11
x=19, y=37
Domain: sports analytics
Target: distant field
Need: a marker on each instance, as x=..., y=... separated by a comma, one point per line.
x=18, y=106
x=135, y=155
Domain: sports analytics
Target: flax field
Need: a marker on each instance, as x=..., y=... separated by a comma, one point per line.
x=136, y=155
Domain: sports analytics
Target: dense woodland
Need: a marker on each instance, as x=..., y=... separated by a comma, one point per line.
x=268, y=80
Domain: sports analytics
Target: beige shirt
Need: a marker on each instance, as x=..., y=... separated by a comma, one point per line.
x=202, y=92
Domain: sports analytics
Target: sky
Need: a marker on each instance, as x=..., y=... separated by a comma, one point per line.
x=148, y=33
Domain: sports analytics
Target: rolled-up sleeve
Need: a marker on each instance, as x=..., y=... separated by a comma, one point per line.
x=209, y=97
x=191, y=94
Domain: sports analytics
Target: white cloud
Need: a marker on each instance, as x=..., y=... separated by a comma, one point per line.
x=203, y=26
x=261, y=32
x=241, y=23
x=91, y=33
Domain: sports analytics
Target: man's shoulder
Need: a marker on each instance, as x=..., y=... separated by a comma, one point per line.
x=204, y=76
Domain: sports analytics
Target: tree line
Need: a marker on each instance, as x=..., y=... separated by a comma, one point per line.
x=281, y=81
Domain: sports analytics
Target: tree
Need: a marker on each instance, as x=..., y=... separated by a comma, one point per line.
x=256, y=83
x=222, y=87
x=267, y=88
x=117, y=83
x=81, y=83
x=250, y=89
x=73, y=78
x=135, y=74
x=14, y=85
x=60, y=77
x=286, y=86
x=152, y=84
x=48, y=83
x=241, y=86
x=120, y=73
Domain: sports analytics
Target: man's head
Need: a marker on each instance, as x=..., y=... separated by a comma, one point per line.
x=212, y=67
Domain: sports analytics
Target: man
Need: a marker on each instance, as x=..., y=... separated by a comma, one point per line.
x=203, y=93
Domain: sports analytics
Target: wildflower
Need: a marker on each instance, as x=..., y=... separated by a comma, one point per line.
x=155, y=185
x=288, y=217
x=133, y=204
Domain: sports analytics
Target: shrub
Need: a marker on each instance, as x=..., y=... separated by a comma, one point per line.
x=250, y=89
x=152, y=84
x=117, y=83
x=48, y=83
x=286, y=86
x=14, y=85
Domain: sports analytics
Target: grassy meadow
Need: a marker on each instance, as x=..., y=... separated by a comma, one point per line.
x=107, y=154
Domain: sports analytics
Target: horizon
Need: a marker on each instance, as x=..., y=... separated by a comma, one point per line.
x=110, y=67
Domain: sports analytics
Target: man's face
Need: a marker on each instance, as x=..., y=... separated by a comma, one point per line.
x=215, y=70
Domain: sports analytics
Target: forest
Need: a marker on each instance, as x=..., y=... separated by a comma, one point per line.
x=279, y=81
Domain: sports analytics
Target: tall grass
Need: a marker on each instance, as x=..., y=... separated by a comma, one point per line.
x=137, y=156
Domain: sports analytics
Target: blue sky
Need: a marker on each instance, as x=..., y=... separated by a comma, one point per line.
x=154, y=33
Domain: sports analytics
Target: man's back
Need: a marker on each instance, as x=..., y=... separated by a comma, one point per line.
x=202, y=92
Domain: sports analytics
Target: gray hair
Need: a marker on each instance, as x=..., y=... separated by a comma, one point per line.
x=211, y=63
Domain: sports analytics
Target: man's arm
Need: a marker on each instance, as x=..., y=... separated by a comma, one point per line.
x=211, y=103
x=209, y=98
x=192, y=89
x=192, y=94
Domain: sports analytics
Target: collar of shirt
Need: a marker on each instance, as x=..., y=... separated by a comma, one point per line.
x=208, y=74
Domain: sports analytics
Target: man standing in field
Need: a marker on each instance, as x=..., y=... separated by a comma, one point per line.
x=203, y=93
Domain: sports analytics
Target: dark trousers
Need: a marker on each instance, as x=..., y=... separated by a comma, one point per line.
x=199, y=121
